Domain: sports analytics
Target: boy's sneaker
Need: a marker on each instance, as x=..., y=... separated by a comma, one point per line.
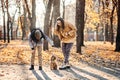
x=32, y=67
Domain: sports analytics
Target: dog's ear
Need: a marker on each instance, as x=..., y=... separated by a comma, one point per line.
x=54, y=57
x=51, y=58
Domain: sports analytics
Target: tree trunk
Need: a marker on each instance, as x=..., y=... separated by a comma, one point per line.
x=117, y=49
x=98, y=25
x=24, y=24
x=11, y=24
x=7, y=22
x=4, y=28
x=29, y=14
x=106, y=32
x=46, y=23
x=80, y=9
x=111, y=24
x=97, y=32
x=33, y=24
x=19, y=12
x=63, y=9
x=56, y=13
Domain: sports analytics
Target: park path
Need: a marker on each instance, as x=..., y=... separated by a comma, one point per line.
x=81, y=71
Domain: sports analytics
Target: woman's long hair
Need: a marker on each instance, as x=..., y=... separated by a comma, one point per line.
x=62, y=21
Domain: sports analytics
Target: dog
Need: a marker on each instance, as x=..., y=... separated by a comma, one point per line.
x=53, y=64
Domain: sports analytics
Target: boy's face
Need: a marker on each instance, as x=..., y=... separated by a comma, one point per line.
x=59, y=23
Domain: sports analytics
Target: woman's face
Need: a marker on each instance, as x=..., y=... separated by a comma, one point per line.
x=59, y=23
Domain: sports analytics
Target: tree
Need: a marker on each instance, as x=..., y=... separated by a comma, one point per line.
x=105, y=22
x=111, y=21
x=80, y=9
x=18, y=4
x=31, y=17
x=46, y=22
x=92, y=19
x=56, y=13
x=33, y=24
x=117, y=49
x=11, y=20
x=98, y=25
x=7, y=22
x=29, y=13
x=4, y=28
x=24, y=20
x=63, y=1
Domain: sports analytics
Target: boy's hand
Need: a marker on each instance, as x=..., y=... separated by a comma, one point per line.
x=33, y=51
x=53, y=45
x=32, y=48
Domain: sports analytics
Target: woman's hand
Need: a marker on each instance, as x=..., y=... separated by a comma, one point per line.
x=71, y=33
x=64, y=34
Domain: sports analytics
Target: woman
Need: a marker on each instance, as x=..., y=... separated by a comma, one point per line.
x=66, y=33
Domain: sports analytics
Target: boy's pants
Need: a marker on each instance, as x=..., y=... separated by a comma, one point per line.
x=39, y=50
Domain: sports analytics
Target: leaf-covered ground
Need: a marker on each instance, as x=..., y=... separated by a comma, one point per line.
x=18, y=52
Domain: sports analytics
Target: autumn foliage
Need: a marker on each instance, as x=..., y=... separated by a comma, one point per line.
x=19, y=52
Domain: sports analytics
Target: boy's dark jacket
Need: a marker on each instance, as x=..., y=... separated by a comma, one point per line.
x=33, y=35
x=33, y=41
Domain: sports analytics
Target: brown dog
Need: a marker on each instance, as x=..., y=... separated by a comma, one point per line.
x=53, y=64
